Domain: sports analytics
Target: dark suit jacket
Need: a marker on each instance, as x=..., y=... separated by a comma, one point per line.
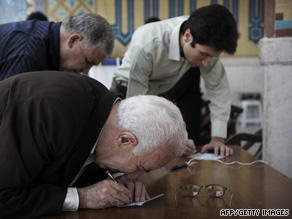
x=49, y=122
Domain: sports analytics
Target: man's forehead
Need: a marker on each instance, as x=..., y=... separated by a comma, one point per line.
x=208, y=50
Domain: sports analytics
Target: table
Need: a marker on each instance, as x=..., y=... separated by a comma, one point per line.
x=253, y=187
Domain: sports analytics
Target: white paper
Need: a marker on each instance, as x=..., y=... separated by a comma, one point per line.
x=205, y=156
x=141, y=203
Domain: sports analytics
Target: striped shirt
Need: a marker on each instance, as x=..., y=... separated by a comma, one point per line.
x=28, y=46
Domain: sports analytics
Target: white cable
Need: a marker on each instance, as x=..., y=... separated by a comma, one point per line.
x=192, y=161
x=246, y=164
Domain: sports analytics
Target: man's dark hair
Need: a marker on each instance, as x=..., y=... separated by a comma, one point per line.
x=38, y=16
x=213, y=26
x=152, y=19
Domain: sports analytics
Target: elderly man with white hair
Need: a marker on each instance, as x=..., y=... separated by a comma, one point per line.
x=61, y=132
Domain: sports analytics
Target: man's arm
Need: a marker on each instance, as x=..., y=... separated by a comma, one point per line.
x=105, y=194
x=34, y=137
x=137, y=64
x=18, y=64
x=218, y=92
x=140, y=71
x=32, y=201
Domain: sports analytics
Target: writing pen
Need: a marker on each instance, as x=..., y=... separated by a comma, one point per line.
x=185, y=164
x=113, y=179
x=110, y=176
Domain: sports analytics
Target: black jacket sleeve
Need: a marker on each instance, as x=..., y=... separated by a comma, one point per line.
x=49, y=123
x=38, y=143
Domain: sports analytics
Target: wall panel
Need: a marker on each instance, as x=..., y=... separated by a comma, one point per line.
x=126, y=16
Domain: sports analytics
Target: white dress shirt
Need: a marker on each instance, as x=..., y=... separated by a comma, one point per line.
x=153, y=64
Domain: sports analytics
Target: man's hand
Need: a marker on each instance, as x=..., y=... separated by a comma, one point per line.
x=217, y=144
x=103, y=194
x=190, y=148
x=136, y=187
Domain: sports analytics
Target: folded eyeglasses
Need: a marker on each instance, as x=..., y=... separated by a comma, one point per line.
x=212, y=190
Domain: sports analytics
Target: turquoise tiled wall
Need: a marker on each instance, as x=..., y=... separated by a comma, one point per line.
x=16, y=10
x=11, y=11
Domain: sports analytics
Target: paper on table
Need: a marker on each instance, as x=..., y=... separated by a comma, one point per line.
x=205, y=156
x=141, y=203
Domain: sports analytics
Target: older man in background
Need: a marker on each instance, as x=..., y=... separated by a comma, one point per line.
x=74, y=45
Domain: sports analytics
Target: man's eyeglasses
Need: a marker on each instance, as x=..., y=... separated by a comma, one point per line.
x=212, y=190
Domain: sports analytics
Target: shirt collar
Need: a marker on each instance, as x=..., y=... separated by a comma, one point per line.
x=174, y=45
x=55, y=44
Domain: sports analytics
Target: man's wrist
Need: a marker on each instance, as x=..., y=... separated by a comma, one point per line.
x=216, y=138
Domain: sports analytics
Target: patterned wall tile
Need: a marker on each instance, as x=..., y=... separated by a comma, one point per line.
x=12, y=10
x=58, y=10
x=126, y=16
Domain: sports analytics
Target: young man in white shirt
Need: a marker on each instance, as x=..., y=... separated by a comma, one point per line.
x=168, y=57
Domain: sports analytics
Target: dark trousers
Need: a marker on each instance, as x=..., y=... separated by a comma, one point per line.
x=187, y=96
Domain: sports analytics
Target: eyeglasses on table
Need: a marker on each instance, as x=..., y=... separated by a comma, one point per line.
x=212, y=191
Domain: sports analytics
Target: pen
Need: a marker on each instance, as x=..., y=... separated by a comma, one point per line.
x=110, y=175
x=113, y=179
x=179, y=166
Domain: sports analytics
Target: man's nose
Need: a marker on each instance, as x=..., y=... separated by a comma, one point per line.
x=206, y=61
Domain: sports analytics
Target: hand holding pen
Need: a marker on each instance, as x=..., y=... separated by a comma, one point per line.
x=136, y=187
x=110, y=175
x=103, y=194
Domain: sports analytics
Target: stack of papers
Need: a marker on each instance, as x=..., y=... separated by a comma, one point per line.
x=205, y=156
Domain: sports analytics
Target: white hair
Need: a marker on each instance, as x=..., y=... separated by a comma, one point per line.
x=155, y=121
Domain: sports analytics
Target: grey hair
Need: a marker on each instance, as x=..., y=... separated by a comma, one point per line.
x=95, y=30
x=155, y=121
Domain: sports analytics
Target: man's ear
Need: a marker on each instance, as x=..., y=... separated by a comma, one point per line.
x=188, y=37
x=73, y=39
x=127, y=139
